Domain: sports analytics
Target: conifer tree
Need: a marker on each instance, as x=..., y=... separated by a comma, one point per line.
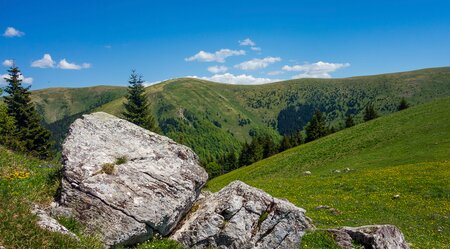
x=316, y=127
x=403, y=105
x=370, y=113
x=136, y=107
x=349, y=122
x=285, y=143
x=28, y=130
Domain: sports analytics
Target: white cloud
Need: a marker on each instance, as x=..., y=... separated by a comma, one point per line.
x=26, y=80
x=257, y=63
x=315, y=70
x=242, y=79
x=149, y=83
x=12, y=32
x=8, y=63
x=275, y=73
x=247, y=42
x=64, y=64
x=45, y=62
x=217, y=69
x=218, y=56
x=257, y=49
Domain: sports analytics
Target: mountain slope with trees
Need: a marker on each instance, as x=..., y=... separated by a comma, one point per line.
x=216, y=119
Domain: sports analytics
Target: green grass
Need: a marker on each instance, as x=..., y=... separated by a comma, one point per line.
x=406, y=153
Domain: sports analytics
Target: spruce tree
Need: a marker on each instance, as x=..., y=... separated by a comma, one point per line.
x=403, y=105
x=285, y=143
x=370, y=113
x=316, y=127
x=349, y=122
x=34, y=137
x=136, y=107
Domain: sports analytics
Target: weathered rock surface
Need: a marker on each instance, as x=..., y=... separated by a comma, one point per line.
x=370, y=237
x=46, y=222
x=240, y=216
x=149, y=193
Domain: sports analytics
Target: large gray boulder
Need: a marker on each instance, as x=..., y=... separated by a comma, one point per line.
x=240, y=216
x=370, y=237
x=124, y=182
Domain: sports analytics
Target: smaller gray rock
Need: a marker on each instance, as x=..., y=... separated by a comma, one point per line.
x=341, y=238
x=337, y=171
x=243, y=217
x=307, y=173
x=48, y=223
x=372, y=236
x=347, y=170
x=396, y=197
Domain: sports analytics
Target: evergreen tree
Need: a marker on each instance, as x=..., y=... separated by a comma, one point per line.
x=251, y=153
x=270, y=148
x=403, y=105
x=370, y=113
x=136, y=107
x=285, y=143
x=349, y=121
x=316, y=127
x=34, y=137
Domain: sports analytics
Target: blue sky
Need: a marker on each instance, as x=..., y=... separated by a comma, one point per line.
x=85, y=43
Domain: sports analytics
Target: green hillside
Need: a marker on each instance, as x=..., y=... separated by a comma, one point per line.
x=57, y=103
x=59, y=107
x=214, y=118
x=406, y=153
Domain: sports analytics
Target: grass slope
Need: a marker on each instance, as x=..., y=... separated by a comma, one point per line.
x=405, y=153
x=56, y=103
x=214, y=118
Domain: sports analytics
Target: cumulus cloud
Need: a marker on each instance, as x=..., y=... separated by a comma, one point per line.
x=257, y=49
x=64, y=64
x=45, y=62
x=257, y=63
x=247, y=42
x=48, y=62
x=242, y=79
x=217, y=69
x=218, y=56
x=315, y=70
x=149, y=83
x=12, y=32
x=26, y=80
x=8, y=63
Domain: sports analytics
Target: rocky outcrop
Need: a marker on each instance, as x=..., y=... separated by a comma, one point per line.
x=47, y=222
x=240, y=216
x=371, y=237
x=124, y=182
